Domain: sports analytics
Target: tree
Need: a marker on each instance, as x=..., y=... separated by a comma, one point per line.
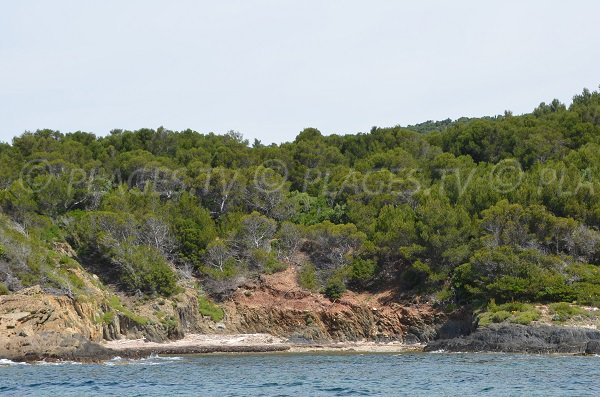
x=289, y=240
x=333, y=246
x=255, y=232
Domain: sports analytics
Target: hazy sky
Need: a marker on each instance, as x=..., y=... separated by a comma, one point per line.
x=270, y=68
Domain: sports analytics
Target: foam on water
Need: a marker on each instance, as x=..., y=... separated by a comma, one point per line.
x=7, y=362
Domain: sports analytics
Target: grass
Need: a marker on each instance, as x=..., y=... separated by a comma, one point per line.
x=3, y=289
x=75, y=280
x=115, y=303
x=208, y=308
x=563, y=311
x=108, y=317
x=512, y=312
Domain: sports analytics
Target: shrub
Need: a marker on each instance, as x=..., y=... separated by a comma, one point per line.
x=259, y=259
x=230, y=270
x=417, y=274
x=307, y=278
x=147, y=271
x=563, y=311
x=488, y=318
x=587, y=293
x=274, y=266
x=208, y=308
x=362, y=270
x=335, y=288
x=525, y=318
x=3, y=289
x=512, y=312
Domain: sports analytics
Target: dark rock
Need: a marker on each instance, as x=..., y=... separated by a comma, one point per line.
x=522, y=339
x=459, y=323
x=593, y=347
x=411, y=339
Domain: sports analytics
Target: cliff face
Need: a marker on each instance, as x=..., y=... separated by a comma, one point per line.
x=39, y=324
x=277, y=305
x=35, y=323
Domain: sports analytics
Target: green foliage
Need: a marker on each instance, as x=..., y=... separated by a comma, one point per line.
x=307, y=277
x=335, y=287
x=210, y=309
x=108, y=317
x=147, y=271
x=418, y=274
x=503, y=207
x=4, y=289
x=74, y=280
x=563, y=311
x=272, y=265
x=115, y=303
x=512, y=312
x=362, y=270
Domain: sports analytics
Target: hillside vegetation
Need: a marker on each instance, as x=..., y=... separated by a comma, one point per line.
x=502, y=208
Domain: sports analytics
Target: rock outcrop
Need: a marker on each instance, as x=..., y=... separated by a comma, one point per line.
x=278, y=306
x=33, y=323
x=515, y=338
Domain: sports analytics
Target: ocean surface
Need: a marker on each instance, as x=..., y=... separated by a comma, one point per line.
x=299, y=375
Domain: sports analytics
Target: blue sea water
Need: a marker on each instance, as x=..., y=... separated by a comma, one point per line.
x=300, y=375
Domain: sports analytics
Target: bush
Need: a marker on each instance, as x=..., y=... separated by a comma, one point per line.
x=261, y=260
x=488, y=318
x=208, y=308
x=229, y=271
x=274, y=266
x=525, y=318
x=563, y=311
x=4, y=289
x=147, y=271
x=512, y=312
x=335, y=288
x=362, y=270
x=307, y=278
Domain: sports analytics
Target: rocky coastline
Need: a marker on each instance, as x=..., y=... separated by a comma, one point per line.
x=261, y=317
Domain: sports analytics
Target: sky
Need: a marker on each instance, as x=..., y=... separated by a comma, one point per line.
x=268, y=69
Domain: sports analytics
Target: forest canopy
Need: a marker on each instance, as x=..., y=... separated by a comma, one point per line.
x=465, y=211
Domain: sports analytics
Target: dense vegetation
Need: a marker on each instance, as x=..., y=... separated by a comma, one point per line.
x=504, y=208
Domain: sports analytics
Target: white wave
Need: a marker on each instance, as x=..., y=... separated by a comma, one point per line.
x=169, y=358
x=7, y=362
x=57, y=363
x=153, y=359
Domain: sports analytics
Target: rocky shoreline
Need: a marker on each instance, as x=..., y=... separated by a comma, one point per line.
x=515, y=338
x=507, y=338
x=263, y=317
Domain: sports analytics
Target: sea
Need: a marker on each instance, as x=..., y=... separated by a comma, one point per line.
x=310, y=375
